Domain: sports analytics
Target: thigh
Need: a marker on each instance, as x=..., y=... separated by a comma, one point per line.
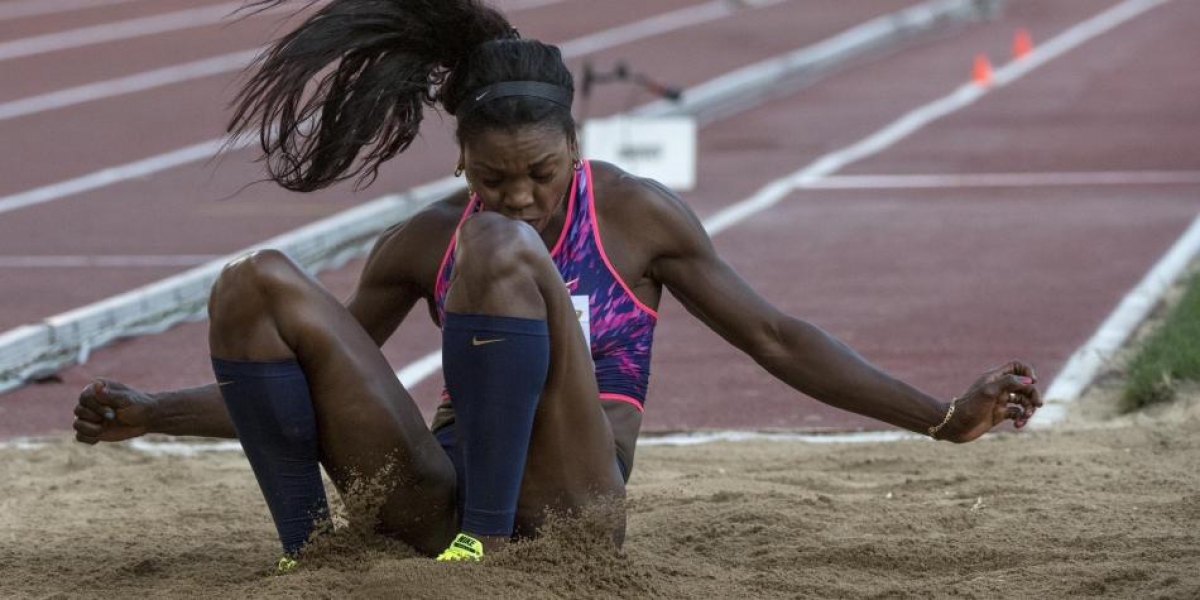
x=373, y=439
x=572, y=457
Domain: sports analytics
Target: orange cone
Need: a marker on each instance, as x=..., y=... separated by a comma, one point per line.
x=1022, y=43
x=981, y=72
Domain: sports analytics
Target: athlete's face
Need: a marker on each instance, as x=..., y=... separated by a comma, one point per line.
x=523, y=173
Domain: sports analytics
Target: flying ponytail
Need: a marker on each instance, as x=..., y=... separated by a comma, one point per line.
x=345, y=91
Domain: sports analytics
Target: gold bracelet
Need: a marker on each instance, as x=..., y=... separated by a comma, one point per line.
x=949, y=413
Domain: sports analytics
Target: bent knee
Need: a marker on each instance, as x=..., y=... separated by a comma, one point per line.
x=240, y=304
x=492, y=245
x=254, y=275
x=258, y=269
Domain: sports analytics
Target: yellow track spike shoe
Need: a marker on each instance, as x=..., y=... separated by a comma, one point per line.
x=286, y=565
x=464, y=547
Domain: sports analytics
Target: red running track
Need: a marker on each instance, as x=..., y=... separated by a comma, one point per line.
x=179, y=212
x=933, y=285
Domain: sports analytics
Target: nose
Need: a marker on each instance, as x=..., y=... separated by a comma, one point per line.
x=517, y=199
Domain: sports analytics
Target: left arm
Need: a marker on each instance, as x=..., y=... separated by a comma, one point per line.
x=806, y=357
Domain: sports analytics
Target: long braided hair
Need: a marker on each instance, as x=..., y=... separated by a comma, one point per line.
x=346, y=90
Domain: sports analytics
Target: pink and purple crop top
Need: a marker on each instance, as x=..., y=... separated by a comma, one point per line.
x=621, y=329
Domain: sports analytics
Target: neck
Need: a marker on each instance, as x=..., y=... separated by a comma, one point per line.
x=554, y=229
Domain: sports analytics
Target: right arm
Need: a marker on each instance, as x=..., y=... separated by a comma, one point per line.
x=109, y=411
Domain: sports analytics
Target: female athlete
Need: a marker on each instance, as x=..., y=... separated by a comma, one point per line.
x=539, y=414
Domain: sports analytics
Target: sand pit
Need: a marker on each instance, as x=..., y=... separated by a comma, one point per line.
x=1095, y=507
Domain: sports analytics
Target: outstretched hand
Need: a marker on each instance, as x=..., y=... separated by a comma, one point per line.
x=1002, y=394
x=109, y=411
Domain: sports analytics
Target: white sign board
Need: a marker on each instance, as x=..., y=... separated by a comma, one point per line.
x=660, y=148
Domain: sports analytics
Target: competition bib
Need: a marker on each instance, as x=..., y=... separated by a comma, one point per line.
x=583, y=312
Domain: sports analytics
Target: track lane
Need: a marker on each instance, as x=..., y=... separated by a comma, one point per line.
x=674, y=404
x=1147, y=106
x=845, y=108
x=176, y=363
x=117, y=32
x=932, y=286
x=693, y=404
x=51, y=71
x=201, y=102
x=936, y=285
x=18, y=21
x=187, y=220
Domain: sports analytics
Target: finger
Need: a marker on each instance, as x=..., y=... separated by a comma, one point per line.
x=1017, y=383
x=1023, y=399
x=87, y=429
x=86, y=439
x=994, y=374
x=1017, y=388
x=105, y=395
x=112, y=386
x=93, y=404
x=1036, y=396
x=1030, y=391
x=1000, y=387
x=1013, y=413
x=87, y=414
x=1023, y=420
x=1016, y=367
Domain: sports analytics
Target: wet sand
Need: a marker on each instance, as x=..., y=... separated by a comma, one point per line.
x=1098, y=506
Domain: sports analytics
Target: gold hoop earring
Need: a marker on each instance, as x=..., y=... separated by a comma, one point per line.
x=577, y=164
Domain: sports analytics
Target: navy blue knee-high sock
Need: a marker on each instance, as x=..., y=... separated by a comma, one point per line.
x=272, y=411
x=495, y=370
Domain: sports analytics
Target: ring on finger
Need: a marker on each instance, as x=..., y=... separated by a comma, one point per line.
x=1012, y=396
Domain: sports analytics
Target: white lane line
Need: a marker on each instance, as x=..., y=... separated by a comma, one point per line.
x=775, y=191
x=106, y=177
x=1087, y=362
x=123, y=30
x=109, y=261
x=186, y=449
x=964, y=96
x=515, y=5
x=191, y=449
x=735, y=435
x=32, y=8
x=25, y=443
x=138, y=82
x=984, y=180
x=154, y=164
x=665, y=23
x=418, y=370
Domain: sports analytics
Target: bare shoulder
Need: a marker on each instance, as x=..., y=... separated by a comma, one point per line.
x=619, y=189
x=411, y=251
x=433, y=222
x=649, y=210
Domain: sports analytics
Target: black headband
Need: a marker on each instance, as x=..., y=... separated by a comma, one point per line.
x=536, y=89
